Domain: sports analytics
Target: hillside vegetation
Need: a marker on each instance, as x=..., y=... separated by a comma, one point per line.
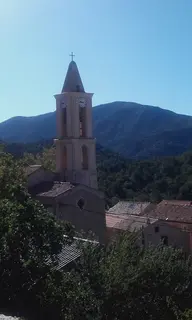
x=133, y=130
x=119, y=178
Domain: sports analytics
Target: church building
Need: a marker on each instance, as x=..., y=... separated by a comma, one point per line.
x=72, y=192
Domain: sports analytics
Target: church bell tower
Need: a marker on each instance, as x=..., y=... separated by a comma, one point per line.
x=75, y=145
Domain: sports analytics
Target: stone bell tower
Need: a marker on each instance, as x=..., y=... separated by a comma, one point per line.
x=75, y=145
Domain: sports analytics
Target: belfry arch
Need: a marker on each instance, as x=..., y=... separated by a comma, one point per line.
x=82, y=121
x=84, y=157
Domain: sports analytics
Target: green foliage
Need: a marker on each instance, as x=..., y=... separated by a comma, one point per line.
x=30, y=239
x=134, y=283
x=187, y=315
x=46, y=158
x=141, y=180
x=115, y=282
x=120, y=281
x=11, y=177
x=147, y=180
x=68, y=297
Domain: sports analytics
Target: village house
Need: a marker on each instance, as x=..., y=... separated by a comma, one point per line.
x=170, y=221
x=150, y=231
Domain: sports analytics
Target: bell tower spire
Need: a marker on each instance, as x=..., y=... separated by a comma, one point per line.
x=75, y=145
x=73, y=82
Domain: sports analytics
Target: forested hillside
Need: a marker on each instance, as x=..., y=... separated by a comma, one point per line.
x=119, y=178
x=135, y=131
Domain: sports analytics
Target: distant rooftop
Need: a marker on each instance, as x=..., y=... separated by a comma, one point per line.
x=129, y=207
x=174, y=210
x=51, y=189
x=127, y=222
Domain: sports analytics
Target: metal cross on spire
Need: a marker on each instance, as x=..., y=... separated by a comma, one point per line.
x=72, y=55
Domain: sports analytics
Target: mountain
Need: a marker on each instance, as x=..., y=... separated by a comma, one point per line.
x=133, y=130
x=28, y=129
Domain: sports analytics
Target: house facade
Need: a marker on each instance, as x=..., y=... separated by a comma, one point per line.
x=169, y=222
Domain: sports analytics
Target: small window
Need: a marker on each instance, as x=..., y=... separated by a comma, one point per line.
x=156, y=229
x=81, y=203
x=164, y=240
x=78, y=88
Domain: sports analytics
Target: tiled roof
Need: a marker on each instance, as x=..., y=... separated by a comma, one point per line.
x=72, y=252
x=177, y=202
x=128, y=222
x=51, y=189
x=68, y=254
x=32, y=168
x=112, y=220
x=129, y=207
x=174, y=210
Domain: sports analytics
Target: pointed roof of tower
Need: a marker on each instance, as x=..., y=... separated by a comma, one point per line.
x=73, y=81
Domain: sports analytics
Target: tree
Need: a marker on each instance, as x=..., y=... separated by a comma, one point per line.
x=67, y=297
x=46, y=158
x=30, y=238
x=187, y=315
x=12, y=177
x=135, y=283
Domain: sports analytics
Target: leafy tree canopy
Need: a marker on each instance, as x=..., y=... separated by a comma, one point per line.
x=134, y=283
x=30, y=237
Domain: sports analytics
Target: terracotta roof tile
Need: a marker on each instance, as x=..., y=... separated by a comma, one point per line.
x=131, y=222
x=177, y=202
x=112, y=220
x=129, y=207
x=174, y=210
x=57, y=189
x=50, y=189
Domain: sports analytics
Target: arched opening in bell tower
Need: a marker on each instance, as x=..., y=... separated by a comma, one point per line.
x=64, y=121
x=84, y=157
x=64, y=157
x=82, y=121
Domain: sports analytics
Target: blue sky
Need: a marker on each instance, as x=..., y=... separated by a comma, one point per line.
x=130, y=50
